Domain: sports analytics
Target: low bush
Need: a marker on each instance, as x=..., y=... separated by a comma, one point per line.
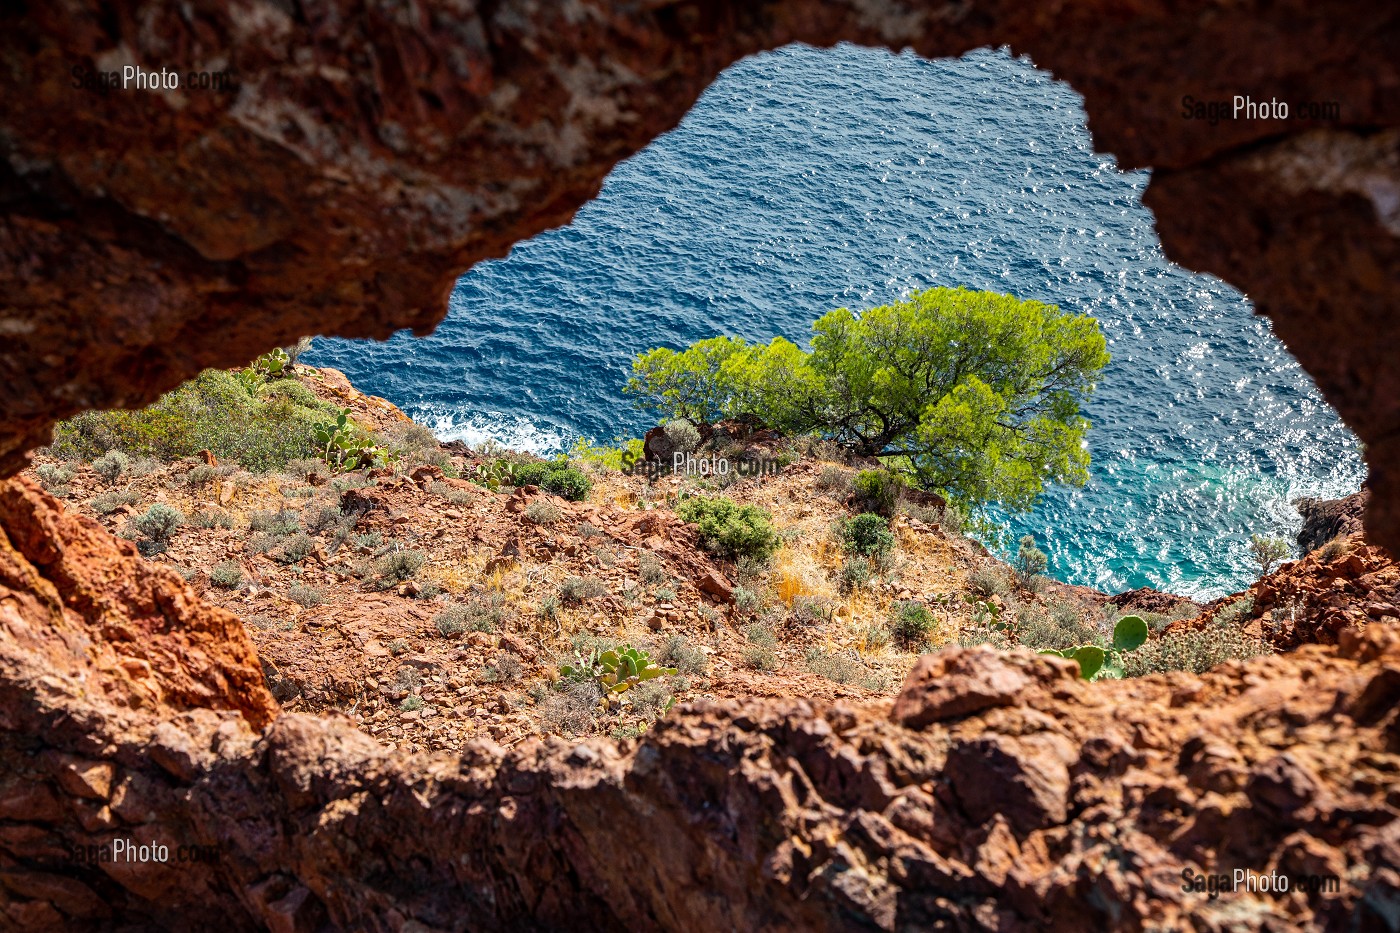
x=296, y=548
x=834, y=481
x=399, y=567
x=855, y=574
x=1193, y=651
x=1060, y=625
x=683, y=435
x=54, y=478
x=729, y=529
x=651, y=570
x=877, y=491
x=868, y=535
x=217, y=411
x=278, y=524
x=307, y=596
x=576, y=590
x=226, y=575
x=200, y=476
x=986, y=582
x=160, y=522
x=1337, y=547
x=910, y=624
x=677, y=652
x=759, y=654
x=108, y=502
x=543, y=512
x=478, y=614
x=111, y=465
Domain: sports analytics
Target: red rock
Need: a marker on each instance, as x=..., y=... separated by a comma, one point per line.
x=714, y=584
x=957, y=682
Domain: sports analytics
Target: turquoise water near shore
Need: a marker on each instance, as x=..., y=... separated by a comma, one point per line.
x=810, y=179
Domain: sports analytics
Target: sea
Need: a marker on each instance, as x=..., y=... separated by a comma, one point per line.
x=810, y=179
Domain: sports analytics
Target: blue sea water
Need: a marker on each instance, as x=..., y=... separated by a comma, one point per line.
x=808, y=179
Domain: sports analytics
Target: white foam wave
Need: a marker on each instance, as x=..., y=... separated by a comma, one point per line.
x=513, y=432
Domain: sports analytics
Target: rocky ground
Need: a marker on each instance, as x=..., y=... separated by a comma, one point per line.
x=997, y=792
x=510, y=585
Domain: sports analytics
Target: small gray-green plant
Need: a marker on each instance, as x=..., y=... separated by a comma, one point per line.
x=576, y=590
x=108, y=502
x=543, y=512
x=54, y=478
x=307, y=596
x=759, y=654
x=855, y=574
x=683, y=435
x=226, y=575
x=111, y=465
x=399, y=566
x=201, y=476
x=296, y=548
x=160, y=522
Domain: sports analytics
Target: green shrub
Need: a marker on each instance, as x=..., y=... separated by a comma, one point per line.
x=297, y=548
x=160, y=522
x=111, y=465
x=226, y=575
x=1030, y=563
x=910, y=624
x=307, y=596
x=200, y=476
x=1196, y=651
x=877, y=491
x=108, y=502
x=868, y=535
x=568, y=483
x=729, y=529
x=213, y=411
x=54, y=478
x=855, y=574
x=683, y=435
x=399, y=566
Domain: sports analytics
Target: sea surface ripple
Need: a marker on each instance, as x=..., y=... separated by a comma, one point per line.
x=806, y=180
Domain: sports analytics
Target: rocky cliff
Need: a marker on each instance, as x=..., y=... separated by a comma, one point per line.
x=1000, y=792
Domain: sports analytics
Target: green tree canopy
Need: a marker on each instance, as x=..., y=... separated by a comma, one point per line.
x=974, y=394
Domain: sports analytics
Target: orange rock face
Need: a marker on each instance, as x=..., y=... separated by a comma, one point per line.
x=1000, y=793
x=82, y=614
